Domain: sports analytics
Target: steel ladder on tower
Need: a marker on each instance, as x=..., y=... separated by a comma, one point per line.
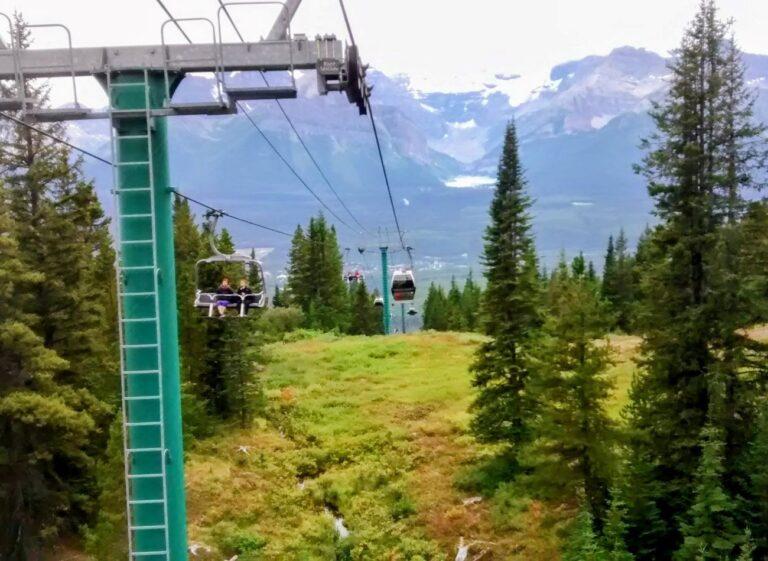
x=144, y=442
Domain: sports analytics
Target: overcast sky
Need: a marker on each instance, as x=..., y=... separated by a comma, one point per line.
x=441, y=44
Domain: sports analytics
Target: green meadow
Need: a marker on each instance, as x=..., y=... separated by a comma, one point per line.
x=371, y=431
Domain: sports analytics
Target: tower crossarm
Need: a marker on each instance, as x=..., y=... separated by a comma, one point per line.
x=307, y=54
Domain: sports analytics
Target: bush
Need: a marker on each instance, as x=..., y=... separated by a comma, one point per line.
x=232, y=541
x=275, y=323
x=312, y=462
x=402, y=505
x=414, y=549
x=198, y=424
x=485, y=476
x=509, y=503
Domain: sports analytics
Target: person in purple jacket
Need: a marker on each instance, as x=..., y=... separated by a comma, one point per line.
x=222, y=300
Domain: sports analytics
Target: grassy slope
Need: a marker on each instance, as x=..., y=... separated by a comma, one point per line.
x=376, y=429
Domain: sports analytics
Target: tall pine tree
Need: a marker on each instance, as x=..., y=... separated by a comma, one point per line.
x=189, y=248
x=436, y=309
x=46, y=428
x=504, y=407
x=697, y=303
x=315, y=276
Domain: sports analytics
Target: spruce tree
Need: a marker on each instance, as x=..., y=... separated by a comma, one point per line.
x=614, y=533
x=591, y=272
x=45, y=427
x=364, y=317
x=571, y=454
x=54, y=423
x=471, y=296
x=747, y=549
x=711, y=533
x=583, y=544
x=242, y=394
x=579, y=266
x=696, y=303
x=455, y=312
x=622, y=297
x=189, y=248
x=436, y=309
x=315, y=276
x=609, y=271
x=504, y=407
x=298, y=288
x=756, y=465
x=754, y=257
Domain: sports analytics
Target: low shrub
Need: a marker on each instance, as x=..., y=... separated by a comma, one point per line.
x=247, y=545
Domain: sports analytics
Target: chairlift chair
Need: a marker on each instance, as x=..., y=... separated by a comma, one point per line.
x=403, y=286
x=206, y=297
x=353, y=277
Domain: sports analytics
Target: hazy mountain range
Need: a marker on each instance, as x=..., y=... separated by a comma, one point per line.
x=579, y=138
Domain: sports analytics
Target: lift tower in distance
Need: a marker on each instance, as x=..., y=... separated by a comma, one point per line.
x=140, y=82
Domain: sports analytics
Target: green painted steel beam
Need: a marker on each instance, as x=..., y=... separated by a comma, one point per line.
x=385, y=313
x=149, y=319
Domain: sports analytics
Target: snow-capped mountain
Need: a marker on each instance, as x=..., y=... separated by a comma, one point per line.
x=579, y=134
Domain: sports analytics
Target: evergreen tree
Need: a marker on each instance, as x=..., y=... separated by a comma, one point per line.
x=63, y=234
x=756, y=465
x=53, y=415
x=591, y=272
x=277, y=299
x=503, y=407
x=471, y=297
x=455, y=311
x=242, y=394
x=189, y=247
x=579, y=266
x=711, y=532
x=436, y=309
x=45, y=427
x=106, y=539
x=622, y=297
x=572, y=451
x=754, y=257
x=364, y=317
x=697, y=300
x=609, y=271
x=646, y=254
x=583, y=544
x=614, y=533
x=299, y=278
x=747, y=549
x=315, y=276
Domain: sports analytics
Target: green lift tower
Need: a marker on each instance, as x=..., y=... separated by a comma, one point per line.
x=140, y=82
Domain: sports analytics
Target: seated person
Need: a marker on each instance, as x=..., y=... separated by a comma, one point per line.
x=222, y=302
x=245, y=291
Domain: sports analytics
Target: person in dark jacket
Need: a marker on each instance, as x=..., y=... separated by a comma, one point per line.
x=222, y=301
x=245, y=293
